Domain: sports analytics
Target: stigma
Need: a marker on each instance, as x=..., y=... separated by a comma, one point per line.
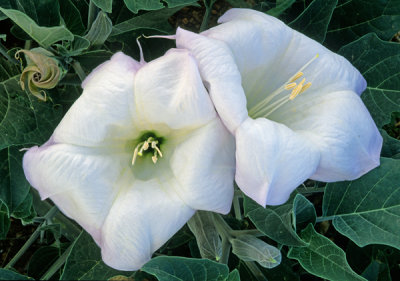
x=150, y=144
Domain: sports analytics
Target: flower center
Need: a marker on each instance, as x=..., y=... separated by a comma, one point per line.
x=267, y=107
x=151, y=144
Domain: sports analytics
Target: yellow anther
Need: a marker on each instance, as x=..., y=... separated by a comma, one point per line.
x=297, y=90
x=305, y=87
x=135, y=154
x=154, y=159
x=290, y=86
x=145, y=145
x=296, y=76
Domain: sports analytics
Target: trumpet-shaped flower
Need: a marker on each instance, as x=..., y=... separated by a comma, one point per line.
x=292, y=105
x=136, y=155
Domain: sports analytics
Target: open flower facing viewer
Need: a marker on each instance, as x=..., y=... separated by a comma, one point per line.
x=136, y=155
x=292, y=105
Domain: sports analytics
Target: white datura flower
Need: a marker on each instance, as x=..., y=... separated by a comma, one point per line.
x=136, y=155
x=293, y=106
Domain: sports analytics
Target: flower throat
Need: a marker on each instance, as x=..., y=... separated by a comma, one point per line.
x=265, y=107
x=149, y=143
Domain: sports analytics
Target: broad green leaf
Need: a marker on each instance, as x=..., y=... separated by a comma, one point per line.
x=24, y=120
x=176, y=3
x=379, y=63
x=156, y=20
x=6, y=274
x=353, y=19
x=167, y=268
x=314, y=20
x=304, y=212
x=14, y=189
x=203, y=227
x=45, y=36
x=100, y=30
x=274, y=221
x=281, y=6
x=85, y=263
x=105, y=5
x=72, y=17
x=48, y=12
x=377, y=271
x=391, y=146
x=322, y=257
x=89, y=60
x=367, y=210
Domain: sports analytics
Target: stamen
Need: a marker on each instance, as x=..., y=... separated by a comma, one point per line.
x=144, y=146
x=154, y=158
x=305, y=87
x=296, y=76
x=290, y=86
x=135, y=154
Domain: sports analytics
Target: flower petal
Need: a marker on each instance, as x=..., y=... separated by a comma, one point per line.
x=204, y=165
x=220, y=74
x=341, y=127
x=272, y=160
x=169, y=91
x=269, y=53
x=105, y=111
x=142, y=219
x=81, y=181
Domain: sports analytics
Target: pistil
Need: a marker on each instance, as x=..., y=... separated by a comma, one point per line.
x=144, y=146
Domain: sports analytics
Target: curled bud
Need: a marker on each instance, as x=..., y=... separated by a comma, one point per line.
x=250, y=248
x=42, y=71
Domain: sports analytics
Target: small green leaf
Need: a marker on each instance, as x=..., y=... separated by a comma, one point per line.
x=314, y=20
x=353, y=19
x=304, y=212
x=105, y=5
x=167, y=268
x=6, y=274
x=45, y=36
x=100, y=30
x=379, y=63
x=203, y=227
x=322, y=257
x=147, y=5
x=274, y=221
x=85, y=263
x=367, y=210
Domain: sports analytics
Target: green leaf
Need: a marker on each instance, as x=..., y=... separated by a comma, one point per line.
x=41, y=260
x=304, y=212
x=6, y=274
x=281, y=6
x=322, y=257
x=4, y=221
x=203, y=227
x=353, y=19
x=100, y=30
x=234, y=276
x=89, y=60
x=274, y=221
x=391, y=146
x=85, y=263
x=314, y=20
x=181, y=3
x=379, y=63
x=366, y=210
x=14, y=189
x=45, y=36
x=72, y=17
x=105, y=5
x=147, y=5
x=167, y=268
x=156, y=20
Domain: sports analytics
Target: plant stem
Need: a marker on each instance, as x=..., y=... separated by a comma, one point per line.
x=3, y=51
x=57, y=264
x=91, y=14
x=50, y=214
x=78, y=69
x=28, y=44
x=226, y=249
x=236, y=207
x=256, y=271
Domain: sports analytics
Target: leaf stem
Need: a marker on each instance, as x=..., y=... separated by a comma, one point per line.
x=50, y=214
x=321, y=219
x=256, y=271
x=78, y=69
x=236, y=207
x=57, y=264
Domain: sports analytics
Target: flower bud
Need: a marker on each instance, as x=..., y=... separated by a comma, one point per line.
x=42, y=71
x=250, y=248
